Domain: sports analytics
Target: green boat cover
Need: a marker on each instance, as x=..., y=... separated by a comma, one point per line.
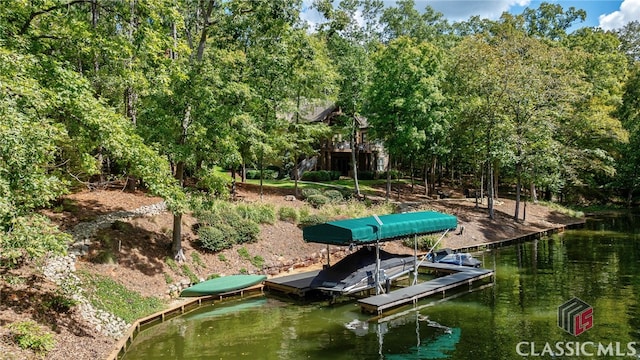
x=222, y=285
x=367, y=230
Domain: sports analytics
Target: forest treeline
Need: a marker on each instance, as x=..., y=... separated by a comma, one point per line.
x=153, y=91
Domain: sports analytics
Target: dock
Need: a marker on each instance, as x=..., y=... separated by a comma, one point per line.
x=296, y=284
x=458, y=276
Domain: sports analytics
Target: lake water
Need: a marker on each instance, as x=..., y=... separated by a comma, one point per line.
x=516, y=316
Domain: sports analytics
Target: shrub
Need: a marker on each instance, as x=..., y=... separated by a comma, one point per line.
x=258, y=213
x=247, y=232
x=214, y=182
x=320, y=175
x=267, y=174
x=257, y=261
x=171, y=264
x=395, y=174
x=425, y=243
x=188, y=273
x=289, y=214
x=195, y=257
x=366, y=175
x=317, y=200
x=168, y=279
x=334, y=195
x=29, y=335
x=213, y=239
x=306, y=192
x=312, y=219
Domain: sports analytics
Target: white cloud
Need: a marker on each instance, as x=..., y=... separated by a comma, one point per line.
x=458, y=10
x=629, y=11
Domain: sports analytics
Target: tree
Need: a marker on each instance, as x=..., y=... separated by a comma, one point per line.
x=350, y=44
x=404, y=97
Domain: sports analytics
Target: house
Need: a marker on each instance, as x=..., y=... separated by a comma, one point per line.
x=335, y=153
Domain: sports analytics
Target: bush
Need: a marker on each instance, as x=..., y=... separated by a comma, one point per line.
x=267, y=174
x=30, y=238
x=395, y=174
x=312, y=219
x=334, y=195
x=425, y=243
x=317, y=200
x=214, y=182
x=29, y=335
x=366, y=175
x=317, y=176
x=213, y=239
x=247, y=232
x=306, y=192
x=258, y=213
x=289, y=214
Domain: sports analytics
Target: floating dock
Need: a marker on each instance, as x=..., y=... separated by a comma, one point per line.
x=296, y=284
x=458, y=276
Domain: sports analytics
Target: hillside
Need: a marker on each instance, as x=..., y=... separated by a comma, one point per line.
x=142, y=246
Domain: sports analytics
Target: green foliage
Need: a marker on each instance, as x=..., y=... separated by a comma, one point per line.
x=321, y=175
x=30, y=237
x=247, y=232
x=366, y=175
x=425, y=243
x=195, y=257
x=168, y=279
x=317, y=201
x=106, y=294
x=289, y=214
x=257, y=261
x=312, y=219
x=266, y=174
x=172, y=264
x=29, y=335
x=214, y=182
x=60, y=302
x=258, y=213
x=222, y=258
x=186, y=271
x=214, y=239
x=306, y=192
x=213, y=276
x=334, y=196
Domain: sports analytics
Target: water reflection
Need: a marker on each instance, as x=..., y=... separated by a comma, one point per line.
x=599, y=264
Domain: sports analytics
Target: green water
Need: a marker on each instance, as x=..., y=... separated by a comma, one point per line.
x=599, y=264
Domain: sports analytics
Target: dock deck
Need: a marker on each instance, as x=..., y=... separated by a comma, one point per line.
x=459, y=275
x=297, y=284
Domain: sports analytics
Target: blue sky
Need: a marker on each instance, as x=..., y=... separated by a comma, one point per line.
x=607, y=14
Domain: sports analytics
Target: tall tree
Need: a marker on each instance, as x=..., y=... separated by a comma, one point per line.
x=404, y=98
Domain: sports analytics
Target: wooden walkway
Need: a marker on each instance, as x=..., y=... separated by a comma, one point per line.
x=459, y=275
x=297, y=284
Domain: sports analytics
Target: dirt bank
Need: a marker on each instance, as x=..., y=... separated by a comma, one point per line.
x=144, y=243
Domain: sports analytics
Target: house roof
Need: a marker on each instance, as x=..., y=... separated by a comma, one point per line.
x=367, y=230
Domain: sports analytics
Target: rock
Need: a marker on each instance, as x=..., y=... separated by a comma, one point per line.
x=289, y=198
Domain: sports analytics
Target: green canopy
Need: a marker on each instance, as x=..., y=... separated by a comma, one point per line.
x=367, y=230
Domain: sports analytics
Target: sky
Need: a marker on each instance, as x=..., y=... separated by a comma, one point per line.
x=606, y=14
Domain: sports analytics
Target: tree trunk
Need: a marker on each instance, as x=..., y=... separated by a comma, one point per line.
x=490, y=190
x=534, y=193
x=176, y=246
x=388, y=192
x=354, y=159
x=426, y=180
x=518, y=187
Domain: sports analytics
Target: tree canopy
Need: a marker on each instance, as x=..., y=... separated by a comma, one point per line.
x=153, y=92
